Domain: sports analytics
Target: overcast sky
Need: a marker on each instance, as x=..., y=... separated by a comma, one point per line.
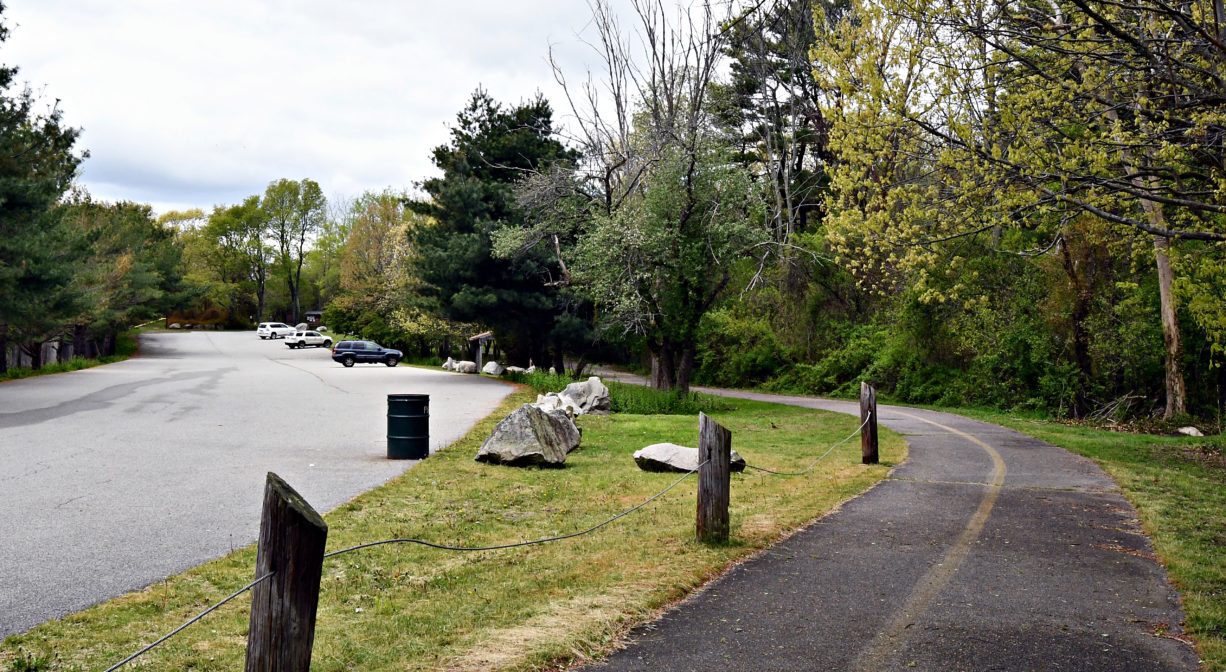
x=193, y=103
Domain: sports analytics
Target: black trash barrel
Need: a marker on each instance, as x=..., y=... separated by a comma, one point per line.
x=408, y=426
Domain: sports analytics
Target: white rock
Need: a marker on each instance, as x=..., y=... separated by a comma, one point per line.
x=449, y=365
x=531, y=369
x=175, y=325
x=493, y=368
x=1189, y=431
x=530, y=436
x=672, y=457
x=465, y=367
x=591, y=396
x=553, y=371
x=557, y=402
x=516, y=369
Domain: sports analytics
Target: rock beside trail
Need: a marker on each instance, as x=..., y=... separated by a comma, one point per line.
x=493, y=368
x=531, y=437
x=465, y=367
x=1190, y=431
x=592, y=396
x=516, y=369
x=555, y=402
x=672, y=457
x=449, y=365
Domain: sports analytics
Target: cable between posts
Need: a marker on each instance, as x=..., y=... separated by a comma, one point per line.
x=183, y=627
x=517, y=544
x=821, y=457
x=421, y=542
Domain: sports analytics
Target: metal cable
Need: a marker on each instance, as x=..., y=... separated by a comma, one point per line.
x=819, y=458
x=533, y=542
x=183, y=627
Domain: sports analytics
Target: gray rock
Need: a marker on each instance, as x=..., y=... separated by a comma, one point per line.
x=516, y=369
x=465, y=367
x=672, y=457
x=529, y=437
x=174, y=325
x=301, y=326
x=493, y=368
x=449, y=365
x=1189, y=431
x=591, y=396
x=556, y=402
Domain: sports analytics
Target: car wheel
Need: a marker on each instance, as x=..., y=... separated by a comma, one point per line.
x=263, y=338
x=392, y=361
x=347, y=361
x=326, y=344
x=302, y=344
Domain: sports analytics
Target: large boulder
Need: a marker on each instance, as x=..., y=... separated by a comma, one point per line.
x=531, y=437
x=591, y=396
x=672, y=457
x=465, y=367
x=493, y=368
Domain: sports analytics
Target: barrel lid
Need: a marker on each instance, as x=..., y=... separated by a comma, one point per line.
x=409, y=397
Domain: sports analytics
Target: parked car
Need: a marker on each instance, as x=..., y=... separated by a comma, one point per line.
x=273, y=330
x=301, y=339
x=365, y=352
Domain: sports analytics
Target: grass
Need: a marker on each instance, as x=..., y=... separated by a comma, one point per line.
x=1178, y=485
x=405, y=607
x=125, y=347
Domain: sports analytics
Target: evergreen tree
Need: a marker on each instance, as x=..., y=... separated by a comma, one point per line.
x=491, y=149
x=37, y=165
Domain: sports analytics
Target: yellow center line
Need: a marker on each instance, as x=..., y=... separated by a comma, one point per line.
x=888, y=640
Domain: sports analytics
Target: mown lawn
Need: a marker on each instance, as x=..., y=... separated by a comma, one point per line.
x=1178, y=485
x=405, y=607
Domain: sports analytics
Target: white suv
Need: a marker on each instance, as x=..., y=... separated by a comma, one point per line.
x=273, y=330
x=301, y=339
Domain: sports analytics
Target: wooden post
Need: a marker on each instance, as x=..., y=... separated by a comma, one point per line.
x=868, y=433
x=292, y=537
x=714, y=480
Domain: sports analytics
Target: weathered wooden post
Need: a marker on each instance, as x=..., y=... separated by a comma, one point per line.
x=714, y=480
x=868, y=418
x=292, y=537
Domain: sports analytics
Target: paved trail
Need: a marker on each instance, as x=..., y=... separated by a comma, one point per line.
x=985, y=550
x=115, y=477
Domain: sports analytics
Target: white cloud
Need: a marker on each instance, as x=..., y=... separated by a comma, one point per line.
x=190, y=104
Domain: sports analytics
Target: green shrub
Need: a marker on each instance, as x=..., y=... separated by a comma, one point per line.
x=627, y=398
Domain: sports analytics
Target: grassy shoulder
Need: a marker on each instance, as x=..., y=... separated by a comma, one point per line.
x=404, y=607
x=1178, y=485
x=125, y=346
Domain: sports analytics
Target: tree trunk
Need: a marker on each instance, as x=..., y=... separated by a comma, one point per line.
x=1081, y=340
x=685, y=368
x=35, y=351
x=108, y=344
x=4, y=348
x=559, y=361
x=663, y=369
x=79, y=341
x=1176, y=391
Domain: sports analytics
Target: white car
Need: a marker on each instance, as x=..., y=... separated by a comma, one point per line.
x=273, y=330
x=301, y=339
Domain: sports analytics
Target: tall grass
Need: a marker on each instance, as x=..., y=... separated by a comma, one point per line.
x=633, y=399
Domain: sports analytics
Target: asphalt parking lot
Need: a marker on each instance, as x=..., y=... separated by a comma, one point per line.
x=114, y=477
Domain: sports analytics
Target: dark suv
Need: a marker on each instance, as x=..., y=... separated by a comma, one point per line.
x=365, y=352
